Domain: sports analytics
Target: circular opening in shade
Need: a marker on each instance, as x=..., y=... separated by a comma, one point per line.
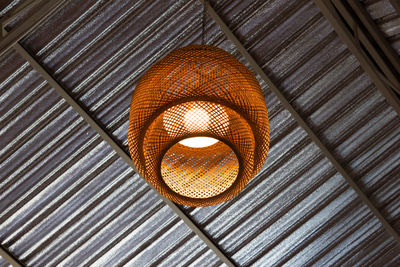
x=198, y=141
x=199, y=172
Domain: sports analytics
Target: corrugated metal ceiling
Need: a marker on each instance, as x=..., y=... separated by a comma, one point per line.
x=3, y=262
x=387, y=20
x=67, y=198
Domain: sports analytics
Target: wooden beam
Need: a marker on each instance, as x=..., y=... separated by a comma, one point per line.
x=330, y=12
x=16, y=34
x=119, y=150
x=274, y=88
x=8, y=256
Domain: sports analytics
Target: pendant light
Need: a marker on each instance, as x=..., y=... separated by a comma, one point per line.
x=198, y=126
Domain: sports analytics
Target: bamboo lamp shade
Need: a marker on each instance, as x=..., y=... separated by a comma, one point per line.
x=198, y=126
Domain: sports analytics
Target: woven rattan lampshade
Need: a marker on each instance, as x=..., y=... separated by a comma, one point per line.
x=198, y=93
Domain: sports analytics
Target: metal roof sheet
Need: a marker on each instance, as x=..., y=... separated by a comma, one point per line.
x=66, y=196
x=297, y=211
x=7, y=6
x=3, y=262
x=387, y=20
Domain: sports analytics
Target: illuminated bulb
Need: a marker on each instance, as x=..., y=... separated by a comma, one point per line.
x=196, y=119
x=199, y=141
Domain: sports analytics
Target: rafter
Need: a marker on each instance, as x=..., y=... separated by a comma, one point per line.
x=118, y=149
x=10, y=40
x=330, y=12
x=274, y=88
x=16, y=34
x=8, y=256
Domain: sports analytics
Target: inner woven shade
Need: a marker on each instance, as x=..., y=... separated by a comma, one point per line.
x=199, y=172
x=180, y=166
x=195, y=117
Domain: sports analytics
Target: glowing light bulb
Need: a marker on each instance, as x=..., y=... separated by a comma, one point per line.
x=199, y=141
x=196, y=119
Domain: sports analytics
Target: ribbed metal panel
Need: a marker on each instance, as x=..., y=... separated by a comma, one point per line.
x=66, y=196
x=298, y=210
x=7, y=6
x=387, y=20
x=4, y=263
x=309, y=63
x=99, y=50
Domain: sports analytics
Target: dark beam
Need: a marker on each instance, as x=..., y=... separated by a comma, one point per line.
x=381, y=51
x=118, y=149
x=10, y=39
x=301, y=122
x=16, y=34
x=19, y=9
x=8, y=256
x=396, y=5
x=331, y=14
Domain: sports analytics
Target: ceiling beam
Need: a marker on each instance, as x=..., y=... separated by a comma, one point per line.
x=7, y=40
x=396, y=5
x=380, y=50
x=19, y=32
x=331, y=14
x=19, y=9
x=274, y=88
x=11, y=39
x=8, y=256
x=376, y=33
x=118, y=149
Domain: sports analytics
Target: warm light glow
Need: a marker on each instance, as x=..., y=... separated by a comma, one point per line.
x=199, y=141
x=196, y=119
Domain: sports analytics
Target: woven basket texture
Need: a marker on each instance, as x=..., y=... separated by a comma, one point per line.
x=198, y=90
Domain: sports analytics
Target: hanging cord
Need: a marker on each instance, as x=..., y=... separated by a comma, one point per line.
x=203, y=34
